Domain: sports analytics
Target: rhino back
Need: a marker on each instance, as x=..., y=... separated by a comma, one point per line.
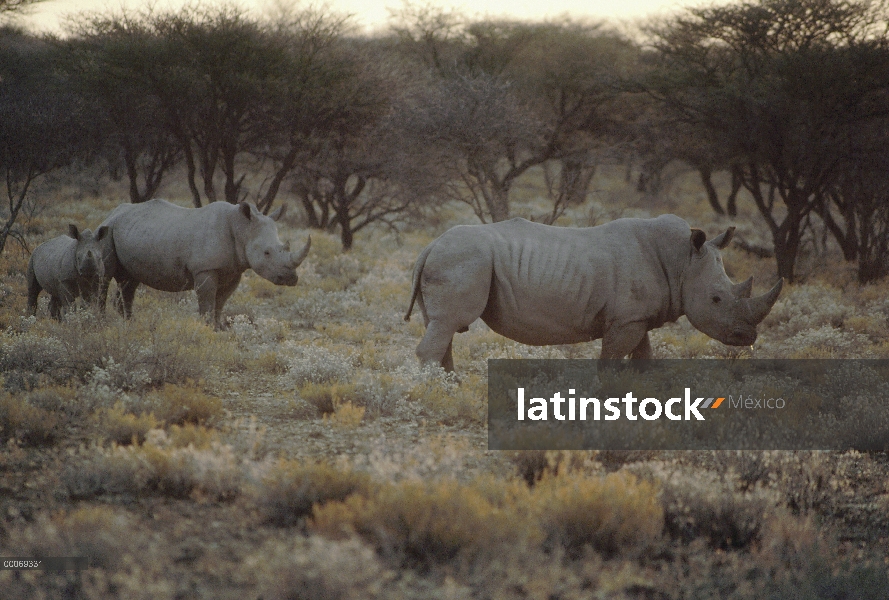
x=164, y=245
x=556, y=285
x=53, y=264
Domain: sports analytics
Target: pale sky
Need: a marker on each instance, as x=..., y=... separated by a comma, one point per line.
x=372, y=14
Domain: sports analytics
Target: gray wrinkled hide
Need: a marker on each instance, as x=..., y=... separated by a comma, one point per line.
x=171, y=248
x=79, y=264
x=541, y=285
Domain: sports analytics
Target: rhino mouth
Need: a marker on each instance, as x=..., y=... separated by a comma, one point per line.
x=288, y=280
x=88, y=270
x=741, y=337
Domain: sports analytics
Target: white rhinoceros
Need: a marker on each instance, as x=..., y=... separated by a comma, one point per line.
x=71, y=266
x=171, y=248
x=541, y=285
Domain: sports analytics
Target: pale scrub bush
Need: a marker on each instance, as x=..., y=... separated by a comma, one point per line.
x=180, y=404
x=122, y=427
x=614, y=514
x=313, y=306
x=422, y=523
x=29, y=424
x=125, y=561
x=159, y=344
x=802, y=481
x=807, y=306
x=825, y=341
x=700, y=504
x=315, y=568
x=318, y=364
x=156, y=468
x=287, y=492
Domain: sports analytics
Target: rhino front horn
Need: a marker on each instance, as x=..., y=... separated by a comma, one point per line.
x=743, y=290
x=761, y=305
x=301, y=256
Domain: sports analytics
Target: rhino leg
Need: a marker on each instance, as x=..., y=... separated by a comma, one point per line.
x=223, y=292
x=621, y=340
x=435, y=347
x=57, y=306
x=643, y=350
x=34, y=290
x=123, y=299
x=206, y=284
x=449, y=306
x=103, y=293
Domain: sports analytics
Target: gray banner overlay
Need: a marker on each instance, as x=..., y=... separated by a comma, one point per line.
x=688, y=405
x=53, y=563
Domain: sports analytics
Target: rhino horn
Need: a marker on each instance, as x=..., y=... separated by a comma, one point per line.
x=743, y=290
x=722, y=240
x=761, y=305
x=297, y=258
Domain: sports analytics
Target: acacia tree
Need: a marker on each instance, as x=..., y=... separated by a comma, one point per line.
x=42, y=126
x=479, y=134
x=558, y=77
x=360, y=171
x=780, y=83
x=107, y=61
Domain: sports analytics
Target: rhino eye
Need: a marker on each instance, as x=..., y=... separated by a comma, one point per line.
x=267, y=252
x=716, y=299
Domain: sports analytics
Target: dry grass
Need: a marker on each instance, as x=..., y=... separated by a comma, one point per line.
x=132, y=439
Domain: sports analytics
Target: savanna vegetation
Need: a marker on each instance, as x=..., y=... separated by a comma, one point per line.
x=303, y=452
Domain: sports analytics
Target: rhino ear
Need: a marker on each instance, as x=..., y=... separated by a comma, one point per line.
x=245, y=209
x=100, y=232
x=698, y=238
x=278, y=213
x=722, y=240
x=72, y=231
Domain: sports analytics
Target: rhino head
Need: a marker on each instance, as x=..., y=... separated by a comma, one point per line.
x=712, y=303
x=265, y=253
x=90, y=253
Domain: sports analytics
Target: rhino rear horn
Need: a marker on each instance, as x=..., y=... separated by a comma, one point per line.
x=743, y=290
x=722, y=240
x=761, y=305
x=301, y=256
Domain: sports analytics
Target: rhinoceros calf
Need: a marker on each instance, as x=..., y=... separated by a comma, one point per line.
x=171, y=248
x=79, y=264
x=541, y=285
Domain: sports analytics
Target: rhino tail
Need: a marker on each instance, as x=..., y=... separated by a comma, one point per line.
x=418, y=273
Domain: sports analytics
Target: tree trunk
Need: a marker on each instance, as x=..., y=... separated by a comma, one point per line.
x=498, y=201
x=192, y=173
x=575, y=180
x=732, y=202
x=706, y=173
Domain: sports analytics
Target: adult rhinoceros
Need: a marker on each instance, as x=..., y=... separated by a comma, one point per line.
x=70, y=266
x=540, y=285
x=206, y=249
